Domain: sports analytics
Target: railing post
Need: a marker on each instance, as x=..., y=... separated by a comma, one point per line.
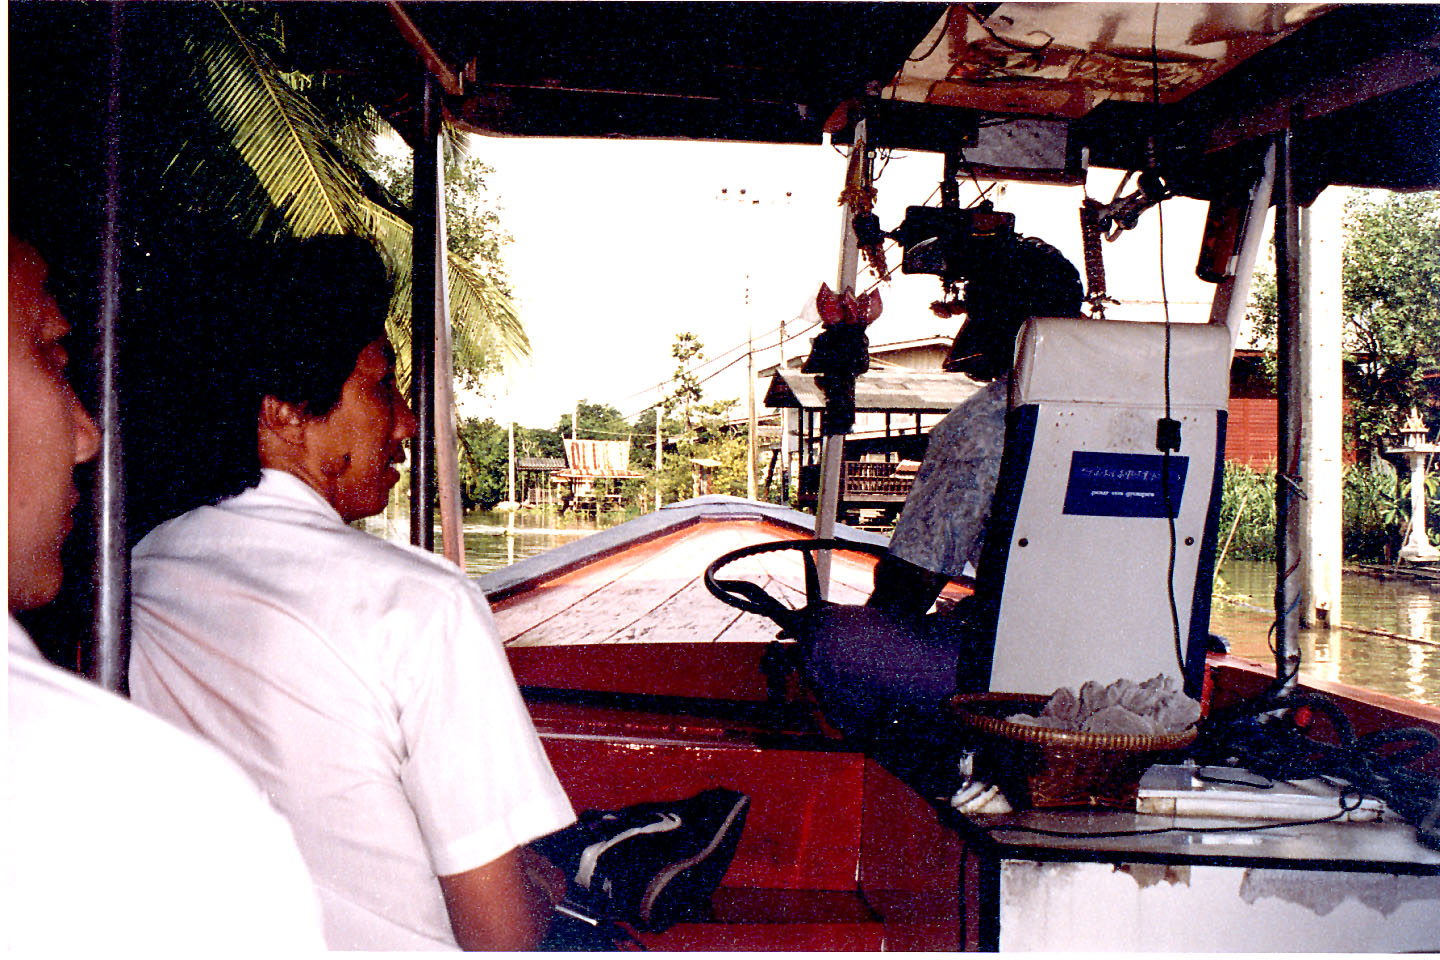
x=1287, y=430
x=422, y=320
x=107, y=660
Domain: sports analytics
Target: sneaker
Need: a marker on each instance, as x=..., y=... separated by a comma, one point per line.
x=651, y=864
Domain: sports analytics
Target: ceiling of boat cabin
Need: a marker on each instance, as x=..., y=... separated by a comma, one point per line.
x=1019, y=88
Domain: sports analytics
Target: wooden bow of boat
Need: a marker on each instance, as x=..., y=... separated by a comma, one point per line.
x=644, y=687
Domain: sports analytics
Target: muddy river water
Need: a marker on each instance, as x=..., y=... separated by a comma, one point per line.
x=1389, y=640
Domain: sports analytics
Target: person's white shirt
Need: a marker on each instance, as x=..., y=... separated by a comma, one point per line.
x=125, y=835
x=362, y=683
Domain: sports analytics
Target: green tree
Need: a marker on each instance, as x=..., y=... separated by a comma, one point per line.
x=285, y=152
x=687, y=351
x=1392, y=275
x=598, y=421
x=1391, y=315
x=699, y=433
x=642, y=447
x=484, y=462
x=476, y=236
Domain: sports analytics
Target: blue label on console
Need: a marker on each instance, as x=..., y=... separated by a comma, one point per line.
x=1124, y=484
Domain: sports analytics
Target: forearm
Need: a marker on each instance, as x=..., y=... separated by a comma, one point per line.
x=503, y=905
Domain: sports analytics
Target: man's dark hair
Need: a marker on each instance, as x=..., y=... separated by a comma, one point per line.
x=317, y=304
x=1027, y=278
x=234, y=325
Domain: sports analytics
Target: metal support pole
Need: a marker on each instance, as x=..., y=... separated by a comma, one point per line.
x=447, y=443
x=832, y=458
x=510, y=468
x=107, y=660
x=751, y=486
x=1287, y=433
x=423, y=272
x=1321, y=325
x=784, y=431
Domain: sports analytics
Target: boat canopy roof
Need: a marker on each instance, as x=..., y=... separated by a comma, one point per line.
x=1027, y=90
x=876, y=391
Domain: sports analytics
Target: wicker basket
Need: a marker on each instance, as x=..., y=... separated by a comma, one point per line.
x=1041, y=767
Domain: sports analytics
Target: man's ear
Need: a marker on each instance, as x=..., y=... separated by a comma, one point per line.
x=283, y=420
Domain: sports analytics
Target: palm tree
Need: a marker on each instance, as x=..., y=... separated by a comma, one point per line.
x=287, y=130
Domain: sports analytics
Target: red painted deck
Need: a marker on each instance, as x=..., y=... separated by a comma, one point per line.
x=644, y=687
x=836, y=854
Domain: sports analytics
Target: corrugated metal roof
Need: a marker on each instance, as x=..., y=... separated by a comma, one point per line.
x=876, y=392
x=540, y=463
x=597, y=458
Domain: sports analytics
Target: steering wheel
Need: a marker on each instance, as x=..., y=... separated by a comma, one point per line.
x=752, y=598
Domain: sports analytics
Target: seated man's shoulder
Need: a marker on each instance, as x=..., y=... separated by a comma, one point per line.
x=195, y=832
x=73, y=717
x=273, y=527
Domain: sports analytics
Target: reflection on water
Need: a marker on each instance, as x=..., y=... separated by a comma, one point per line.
x=494, y=540
x=1384, y=660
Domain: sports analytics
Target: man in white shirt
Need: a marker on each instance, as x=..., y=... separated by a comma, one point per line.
x=122, y=834
x=361, y=682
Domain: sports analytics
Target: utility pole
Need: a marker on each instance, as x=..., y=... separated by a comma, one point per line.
x=511, y=471
x=784, y=431
x=743, y=199
x=659, y=415
x=750, y=485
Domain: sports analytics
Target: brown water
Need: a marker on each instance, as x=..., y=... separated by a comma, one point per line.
x=1405, y=662
x=494, y=540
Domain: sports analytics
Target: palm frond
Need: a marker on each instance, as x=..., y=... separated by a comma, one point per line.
x=278, y=135
x=486, y=331
x=472, y=294
x=299, y=171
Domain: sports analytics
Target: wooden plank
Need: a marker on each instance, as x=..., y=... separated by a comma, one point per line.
x=654, y=592
x=851, y=575
x=638, y=591
x=519, y=613
x=693, y=615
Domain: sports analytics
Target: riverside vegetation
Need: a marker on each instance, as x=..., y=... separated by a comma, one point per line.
x=1375, y=512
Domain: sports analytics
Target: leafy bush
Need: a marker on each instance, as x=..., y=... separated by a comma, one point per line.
x=1250, y=494
x=1375, y=508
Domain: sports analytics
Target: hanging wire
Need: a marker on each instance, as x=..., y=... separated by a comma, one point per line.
x=1165, y=303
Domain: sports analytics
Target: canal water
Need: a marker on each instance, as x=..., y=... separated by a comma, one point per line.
x=494, y=540
x=1389, y=641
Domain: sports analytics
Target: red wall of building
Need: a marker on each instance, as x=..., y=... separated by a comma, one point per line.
x=1250, y=431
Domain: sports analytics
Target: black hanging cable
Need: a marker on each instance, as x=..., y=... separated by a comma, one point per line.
x=1168, y=430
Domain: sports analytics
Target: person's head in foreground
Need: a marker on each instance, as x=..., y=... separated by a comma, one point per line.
x=50, y=433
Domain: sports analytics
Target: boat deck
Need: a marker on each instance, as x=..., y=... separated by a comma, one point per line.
x=643, y=582
x=644, y=687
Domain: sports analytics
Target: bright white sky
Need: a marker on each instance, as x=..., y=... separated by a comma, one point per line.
x=620, y=245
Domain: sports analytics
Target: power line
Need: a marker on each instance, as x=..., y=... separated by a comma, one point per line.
x=716, y=373
x=740, y=353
